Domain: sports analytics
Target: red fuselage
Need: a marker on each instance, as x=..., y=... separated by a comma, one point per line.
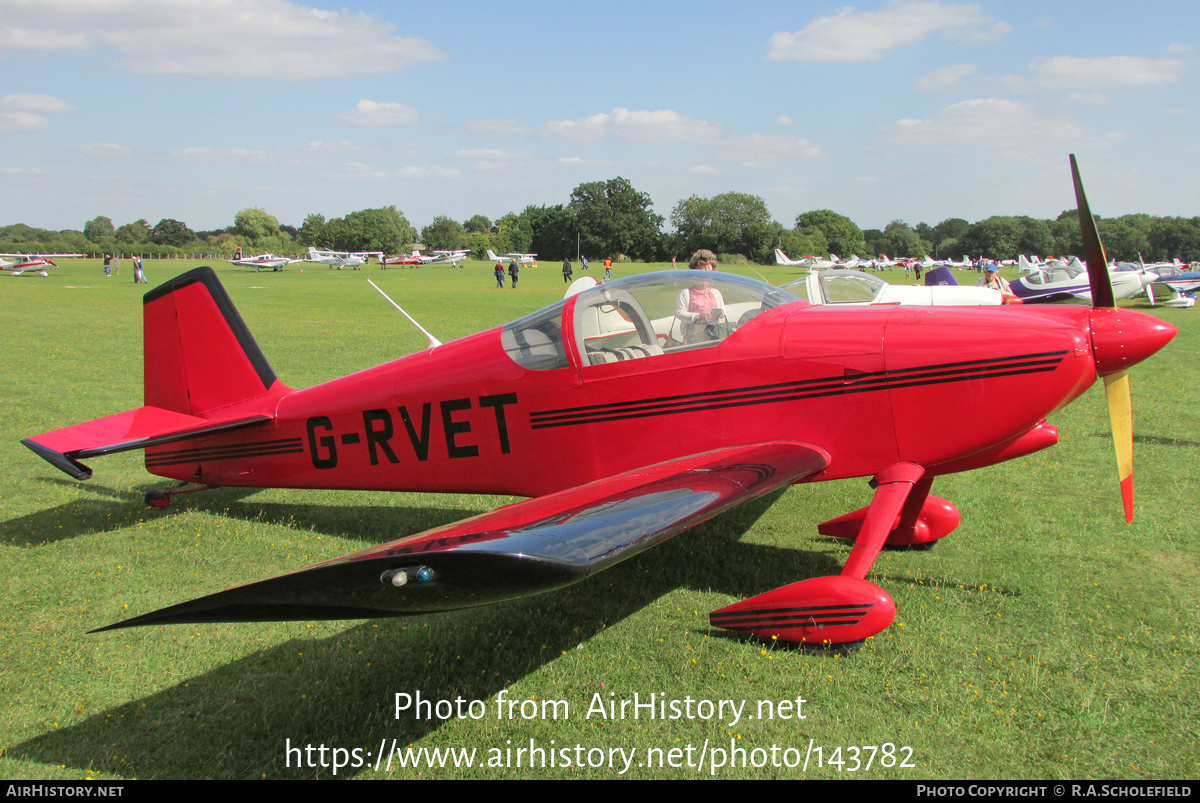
x=944, y=388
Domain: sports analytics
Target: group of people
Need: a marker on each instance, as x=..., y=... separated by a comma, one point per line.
x=514, y=270
x=112, y=267
x=568, y=272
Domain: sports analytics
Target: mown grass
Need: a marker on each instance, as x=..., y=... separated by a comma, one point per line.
x=1043, y=639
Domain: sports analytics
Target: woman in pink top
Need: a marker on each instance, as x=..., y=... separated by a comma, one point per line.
x=700, y=308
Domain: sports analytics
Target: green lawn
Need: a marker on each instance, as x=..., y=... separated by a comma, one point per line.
x=1045, y=638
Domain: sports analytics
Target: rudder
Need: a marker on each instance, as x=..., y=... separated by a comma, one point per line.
x=199, y=355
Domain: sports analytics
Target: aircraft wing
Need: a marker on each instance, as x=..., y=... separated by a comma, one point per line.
x=524, y=548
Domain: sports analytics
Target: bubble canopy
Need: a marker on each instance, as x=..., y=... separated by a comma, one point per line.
x=641, y=316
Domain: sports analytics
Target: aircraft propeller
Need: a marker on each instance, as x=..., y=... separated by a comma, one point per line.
x=1117, y=341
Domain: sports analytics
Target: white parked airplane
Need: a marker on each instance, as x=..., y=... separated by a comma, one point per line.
x=812, y=263
x=446, y=257
x=30, y=262
x=338, y=259
x=520, y=259
x=261, y=261
x=856, y=287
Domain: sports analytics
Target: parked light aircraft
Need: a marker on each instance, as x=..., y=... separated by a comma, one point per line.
x=1061, y=284
x=810, y=262
x=337, y=259
x=432, y=258
x=401, y=259
x=261, y=261
x=628, y=418
x=447, y=257
x=856, y=287
x=1178, y=280
x=520, y=259
x=37, y=263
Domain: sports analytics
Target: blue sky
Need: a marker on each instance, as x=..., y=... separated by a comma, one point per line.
x=195, y=109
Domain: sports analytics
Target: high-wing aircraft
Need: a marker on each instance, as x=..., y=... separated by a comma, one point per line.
x=856, y=287
x=627, y=417
x=37, y=263
x=448, y=257
x=337, y=259
x=401, y=259
x=512, y=256
x=432, y=258
x=812, y=263
x=260, y=261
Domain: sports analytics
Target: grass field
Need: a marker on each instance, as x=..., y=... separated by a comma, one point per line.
x=1045, y=638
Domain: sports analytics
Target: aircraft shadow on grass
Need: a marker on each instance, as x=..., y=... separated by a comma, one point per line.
x=195, y=729
x=235, y=721
x=117, y=509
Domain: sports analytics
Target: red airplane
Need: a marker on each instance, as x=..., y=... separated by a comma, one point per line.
x=643, y=418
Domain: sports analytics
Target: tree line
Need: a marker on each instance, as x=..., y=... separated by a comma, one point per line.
x=614, y=219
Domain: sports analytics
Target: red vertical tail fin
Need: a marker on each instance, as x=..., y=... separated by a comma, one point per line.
x=199, y=355
x=204, y=375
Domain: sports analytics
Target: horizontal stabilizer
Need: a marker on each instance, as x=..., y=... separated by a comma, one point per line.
x=525, y=548
x=132, y=429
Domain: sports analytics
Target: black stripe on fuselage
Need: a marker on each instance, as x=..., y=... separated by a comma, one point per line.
x=228, y=452
x=802, y=389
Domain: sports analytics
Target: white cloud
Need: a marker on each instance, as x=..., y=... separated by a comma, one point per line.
x=945, y=78
x=1179, y=47
x=1069, y=72
x=428, y=172
x=40, y=104
x=22, y=121
x=991, y=122
x=370, y=114
x=589, y=129
x=760, y=150
x=494, y=126
x=655, y=127
x=783, y=119
x=268, y=38
x=852, y=35
x=103, y=150
x=1087, y=98
x=705, y=170
x=28, y=112
x=221, y=156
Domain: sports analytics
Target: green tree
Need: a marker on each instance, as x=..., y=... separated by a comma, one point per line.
x=444, y=234
x=1175, y=238
x=135, y=233
x=314, y=232
x=477, y=224
x=1124, y=238
x=552, y=231
x=996, y=237
x=171, y=232
x=99, y=230
x=512, y=235
x=613, y=218
x=255, y=226
x=842, y=236
x=384, y=229
x=900, y=240
x=730, y=223
x=953, y=228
